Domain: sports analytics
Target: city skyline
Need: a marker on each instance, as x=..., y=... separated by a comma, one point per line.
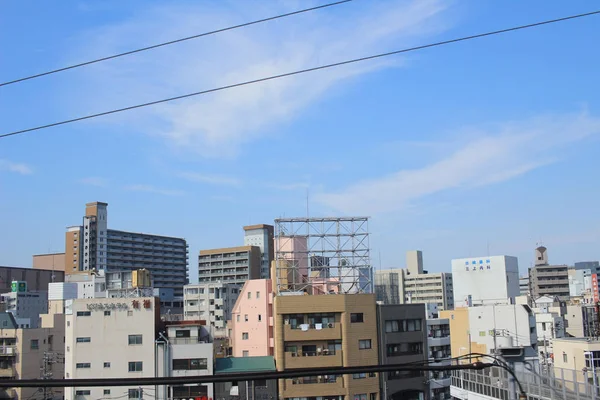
x=457, y=151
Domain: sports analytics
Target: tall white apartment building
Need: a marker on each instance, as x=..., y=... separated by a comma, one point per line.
x=485, y=280
x=414, y=285
x=92, y=246
x=211, y=302
x=110, y=338
x=261, y=236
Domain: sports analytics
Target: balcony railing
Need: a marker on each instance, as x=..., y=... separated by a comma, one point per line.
x=8, y=350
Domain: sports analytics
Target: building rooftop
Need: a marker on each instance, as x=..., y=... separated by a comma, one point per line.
x=244, y=364
x=259, y=226
x=226, y=250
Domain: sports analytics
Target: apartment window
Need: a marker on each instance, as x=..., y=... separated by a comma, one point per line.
x=182, y=333
x=362, y=375
x=190, y=364
x=35, y=344
x=83, y=365
x=258, y=295
x=262, y=383
x=245, y=353
x=84, y=313
x=565, y=359
x=360, y=396
x=394, y=350
x=106, y=391
x=84, y=339
x=245, y=317
x=356, y=317
x=249, y=295
x=106, y=313
x=82, y=393
x=403, y=325
x=364, y=344
x=244, y=335
x=135, y=339
x=373, y=396
x=130, y=313
x=134, y=393
x=237, y=318
x=106, y=365
x=135, y=366
x=259, y=317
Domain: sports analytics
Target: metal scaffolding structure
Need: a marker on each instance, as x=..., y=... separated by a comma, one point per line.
x=322, y=255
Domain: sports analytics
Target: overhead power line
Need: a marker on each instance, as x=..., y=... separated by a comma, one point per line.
x=298, y=72
x=155, y=46
x=186, y=380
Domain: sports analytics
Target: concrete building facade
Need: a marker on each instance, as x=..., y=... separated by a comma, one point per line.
x=257, y=389
x=187, y=353
x=211, y=302
x=546, y=279
x=229, y=265
x=414, y=285
x=438, y=344
x=326, y=331
x=485, y=280
x=110, y=338
x=50, y=261
x=32, y=353
x=402, y=331
x=37, y=279
x=26, y=307
x=262, y=236
x=93, y=247
x=251, y=327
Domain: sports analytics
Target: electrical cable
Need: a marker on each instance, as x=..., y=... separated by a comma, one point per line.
x=298, y=72
x=185, y=380
x=154, y=46
x=504, y=365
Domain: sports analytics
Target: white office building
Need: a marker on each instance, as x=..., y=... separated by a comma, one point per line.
x=110, y=338
x=211, y=302
x=485, y=280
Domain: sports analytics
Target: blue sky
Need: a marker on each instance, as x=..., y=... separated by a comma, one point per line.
x=490, y=143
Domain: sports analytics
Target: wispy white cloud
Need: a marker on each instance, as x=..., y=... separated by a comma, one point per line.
x=210, y=179
x=492, y=155
x=94, y=181
x=219, y=124
x=154, y=189
x=19, y=168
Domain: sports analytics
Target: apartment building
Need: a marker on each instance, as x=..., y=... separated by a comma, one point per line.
x=110, y=338
x=31, y=353
x=211, y=302
x=439, y=353
x=546, y=279
x=414, y=285
x=26, y=307
x=229, y=265
x=251, y=325
x=261, y=236
x=326, y=331
x=186, y=353
x=485, y=280
x=402, y=339
x=93, y=247
x=37, y=279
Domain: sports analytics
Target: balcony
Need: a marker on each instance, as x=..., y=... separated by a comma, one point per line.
x=442, y=382
x=313, y=360
x=328, y=332
x=438, y=341
x=321, y=386
x=8, y=350
x=8, y=372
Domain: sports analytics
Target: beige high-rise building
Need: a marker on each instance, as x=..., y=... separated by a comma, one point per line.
x=93, y=247
x=229, y=265
x=546, y=279
x=326, y=331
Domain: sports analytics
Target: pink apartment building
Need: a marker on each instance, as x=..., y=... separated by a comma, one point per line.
x=251, y=333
